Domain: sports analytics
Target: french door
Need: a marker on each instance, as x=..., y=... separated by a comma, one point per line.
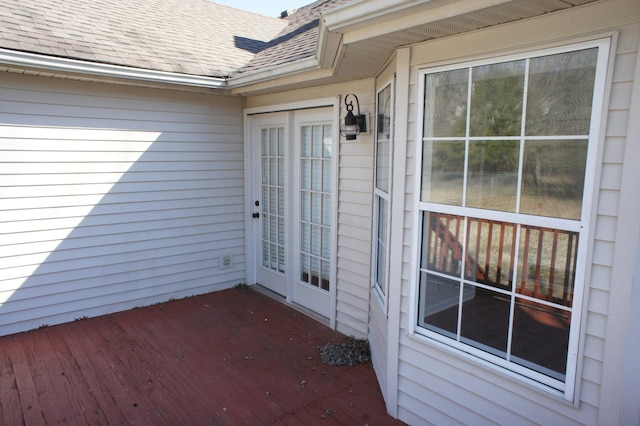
x=294, y=206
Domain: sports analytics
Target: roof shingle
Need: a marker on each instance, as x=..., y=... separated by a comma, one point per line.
x=195, y=37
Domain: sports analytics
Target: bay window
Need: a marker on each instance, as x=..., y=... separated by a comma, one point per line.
x=507, y=159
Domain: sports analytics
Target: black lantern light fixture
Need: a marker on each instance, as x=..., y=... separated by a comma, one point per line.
x=353, y=124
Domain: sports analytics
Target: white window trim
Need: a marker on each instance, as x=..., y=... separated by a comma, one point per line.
x=382, y=294
x=565, y=389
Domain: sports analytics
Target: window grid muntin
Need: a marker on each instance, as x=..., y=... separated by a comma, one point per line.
x=602, y=47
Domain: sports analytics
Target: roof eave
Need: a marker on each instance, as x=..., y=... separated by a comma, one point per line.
x=93, y=69
x=329, y=44
x=359, y=18
x=240, y=83
x=356, y=22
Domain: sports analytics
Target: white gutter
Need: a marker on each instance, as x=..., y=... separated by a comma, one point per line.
x=65, y=65
x=271, y=73
x=355, y=20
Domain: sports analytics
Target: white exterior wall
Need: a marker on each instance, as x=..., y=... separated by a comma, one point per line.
x=440, y=386
x=113, y=197
x=355, y=201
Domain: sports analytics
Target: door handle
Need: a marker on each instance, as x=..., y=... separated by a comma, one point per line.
x=256, y=215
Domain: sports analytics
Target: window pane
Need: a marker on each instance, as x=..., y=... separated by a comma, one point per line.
x=325, y=282
x=265, y=170
x=382, y=139
x=316, y=207
x=273, y=202
x=445, y=106
x=281, y=259
x=317, y=145
x=316, y=175
x=266, y=208
x=315, y=271
x=496, y=99
x=384, y=113
x=265, y=141
x=326, y=176
x=305, y=174
x=305, y=206
x=326, y=243
x=327, y=142
x=489, y=256
x=381, y=244
x=281, y=230
x=561, y=93
x=315, y=240
x=442, y=243
x=305, y=237
x=382, y=164
x=443, y=172
x=439, y=310
x=265, y=254
x=541, y=338
x=273, y=142
x=546, y=264
x=280, y=142
x=485, y=320
x=306, y=141
x=273, y=171
x=273, y=256
x=281, y=171
x=305, y=272
x=326, y=210
x=553, y=178
x=281, y=207
x=493, y=175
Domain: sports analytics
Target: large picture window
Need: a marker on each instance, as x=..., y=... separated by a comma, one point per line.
x=507, y=149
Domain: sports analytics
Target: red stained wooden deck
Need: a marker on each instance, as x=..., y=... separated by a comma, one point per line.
x=231, y=357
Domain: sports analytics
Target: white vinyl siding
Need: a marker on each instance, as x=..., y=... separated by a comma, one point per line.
x=354, y=232
x=445, y=388
x=113, y=197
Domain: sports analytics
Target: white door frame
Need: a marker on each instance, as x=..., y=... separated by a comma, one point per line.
x=250, y=153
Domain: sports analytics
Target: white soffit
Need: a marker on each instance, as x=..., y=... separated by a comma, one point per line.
x=368, y=47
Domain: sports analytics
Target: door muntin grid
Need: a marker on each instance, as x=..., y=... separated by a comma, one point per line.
x=273, y=198
x=315, y=205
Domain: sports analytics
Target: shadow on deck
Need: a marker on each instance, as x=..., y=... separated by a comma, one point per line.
x=231, y=357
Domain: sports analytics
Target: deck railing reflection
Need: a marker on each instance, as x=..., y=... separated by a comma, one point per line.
x=545, y=264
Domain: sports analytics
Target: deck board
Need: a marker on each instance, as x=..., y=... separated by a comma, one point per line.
x=231, y=357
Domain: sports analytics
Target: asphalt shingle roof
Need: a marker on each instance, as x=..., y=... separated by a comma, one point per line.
x=297, y=41
x=195, y=37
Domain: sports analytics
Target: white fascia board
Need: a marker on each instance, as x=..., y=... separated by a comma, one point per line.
x=271, y=73
x=364, y=20
x=329, y=44
x=74, y=66
x=299, y=80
